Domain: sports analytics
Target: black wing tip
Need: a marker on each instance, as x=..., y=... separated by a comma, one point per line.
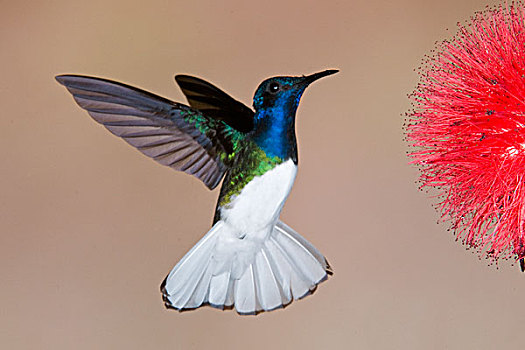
x=522, y=264
x=190, y=82
x=62, y=78
x=178, y=77
x=66, y=78
x=181, y=76
x=69, y=79
x=186, y=78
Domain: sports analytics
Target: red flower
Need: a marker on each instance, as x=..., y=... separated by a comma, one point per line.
x=467, y=127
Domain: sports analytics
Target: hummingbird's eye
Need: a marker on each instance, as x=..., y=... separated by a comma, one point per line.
x=274, y=87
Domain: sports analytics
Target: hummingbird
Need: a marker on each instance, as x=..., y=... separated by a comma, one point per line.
x=249, y=260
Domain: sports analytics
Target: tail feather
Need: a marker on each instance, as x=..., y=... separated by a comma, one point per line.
x=304, y=264
x=201, y=289
x=268, y=288
x=230, y=295
x=245, y=293
x=218, y=289
x=188, y=288
x=284, y=267
x=188, y=282
x=288, y=231
x=282, y=270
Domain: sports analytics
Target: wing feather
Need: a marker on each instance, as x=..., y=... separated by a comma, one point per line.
x=215, y=103
x=174, y=135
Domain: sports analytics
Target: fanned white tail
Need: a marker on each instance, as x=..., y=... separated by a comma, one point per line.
x=259, y=276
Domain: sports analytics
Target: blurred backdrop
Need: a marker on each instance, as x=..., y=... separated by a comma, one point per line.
x=89, y=227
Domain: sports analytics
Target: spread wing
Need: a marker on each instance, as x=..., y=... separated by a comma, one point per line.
x=215, y=103
x=174, y=135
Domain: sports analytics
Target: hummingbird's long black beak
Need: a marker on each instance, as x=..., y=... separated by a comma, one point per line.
x=308, y=79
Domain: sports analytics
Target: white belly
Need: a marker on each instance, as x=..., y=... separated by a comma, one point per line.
x=260, y=202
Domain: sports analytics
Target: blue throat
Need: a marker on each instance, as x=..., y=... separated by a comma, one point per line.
x=274, y=129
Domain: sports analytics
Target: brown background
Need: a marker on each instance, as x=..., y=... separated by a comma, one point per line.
x=89, y=227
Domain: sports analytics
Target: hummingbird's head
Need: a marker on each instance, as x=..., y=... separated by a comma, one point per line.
x=284, y=93
x=275, y=103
